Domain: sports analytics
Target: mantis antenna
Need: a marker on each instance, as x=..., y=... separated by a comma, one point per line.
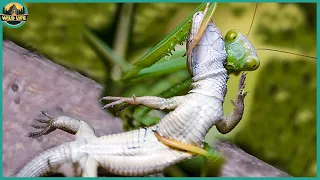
x=274, y=50
x=254, y=15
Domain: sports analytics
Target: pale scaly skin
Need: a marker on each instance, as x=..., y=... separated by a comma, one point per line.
x=139, y=152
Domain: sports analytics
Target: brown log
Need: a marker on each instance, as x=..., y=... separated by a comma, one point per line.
x=32, y=83
x=241, y=164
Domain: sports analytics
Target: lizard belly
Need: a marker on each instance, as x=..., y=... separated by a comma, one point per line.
x=134, y=153
x=137, y=142
x=190, y=122
x=141, y=165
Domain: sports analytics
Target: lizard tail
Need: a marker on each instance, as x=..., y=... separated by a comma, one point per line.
x=46, y=161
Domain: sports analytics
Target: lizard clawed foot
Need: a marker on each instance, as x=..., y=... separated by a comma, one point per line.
x=47, y=126
x=119, y=100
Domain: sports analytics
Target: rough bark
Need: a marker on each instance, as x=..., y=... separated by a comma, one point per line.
x=239, y=163
x=32, y=83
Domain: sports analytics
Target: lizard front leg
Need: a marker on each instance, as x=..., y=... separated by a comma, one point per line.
x=227, y=123
x=52, y=158
x=149, y=101
x=71, y=125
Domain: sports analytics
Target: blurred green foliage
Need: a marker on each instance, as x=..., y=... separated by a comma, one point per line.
x=55, y=30
x=282, y=121
x=289, y=26
x=279, y=125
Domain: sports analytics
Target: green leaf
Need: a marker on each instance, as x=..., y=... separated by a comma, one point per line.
x=162, y=67
x=106, y=52
x=178, y=35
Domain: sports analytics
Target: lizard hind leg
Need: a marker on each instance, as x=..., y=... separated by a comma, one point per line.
x=89, y=166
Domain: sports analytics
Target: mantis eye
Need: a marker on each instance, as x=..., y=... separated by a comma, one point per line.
x=231, y=35
x=251, y=63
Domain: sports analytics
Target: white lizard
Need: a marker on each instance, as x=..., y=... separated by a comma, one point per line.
x=140, y=152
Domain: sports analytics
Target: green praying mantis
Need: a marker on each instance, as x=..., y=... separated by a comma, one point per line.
x=241, y=57
x=158, y=60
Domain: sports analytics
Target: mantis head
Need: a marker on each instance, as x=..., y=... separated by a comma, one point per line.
x=241, y=54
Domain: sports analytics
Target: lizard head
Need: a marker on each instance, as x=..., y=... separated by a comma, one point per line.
x=242, y=55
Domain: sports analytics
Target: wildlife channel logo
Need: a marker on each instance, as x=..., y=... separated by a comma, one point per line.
x=14, y=15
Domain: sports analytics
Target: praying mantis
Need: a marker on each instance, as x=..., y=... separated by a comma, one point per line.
x=162, y=60
x=178, y=35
